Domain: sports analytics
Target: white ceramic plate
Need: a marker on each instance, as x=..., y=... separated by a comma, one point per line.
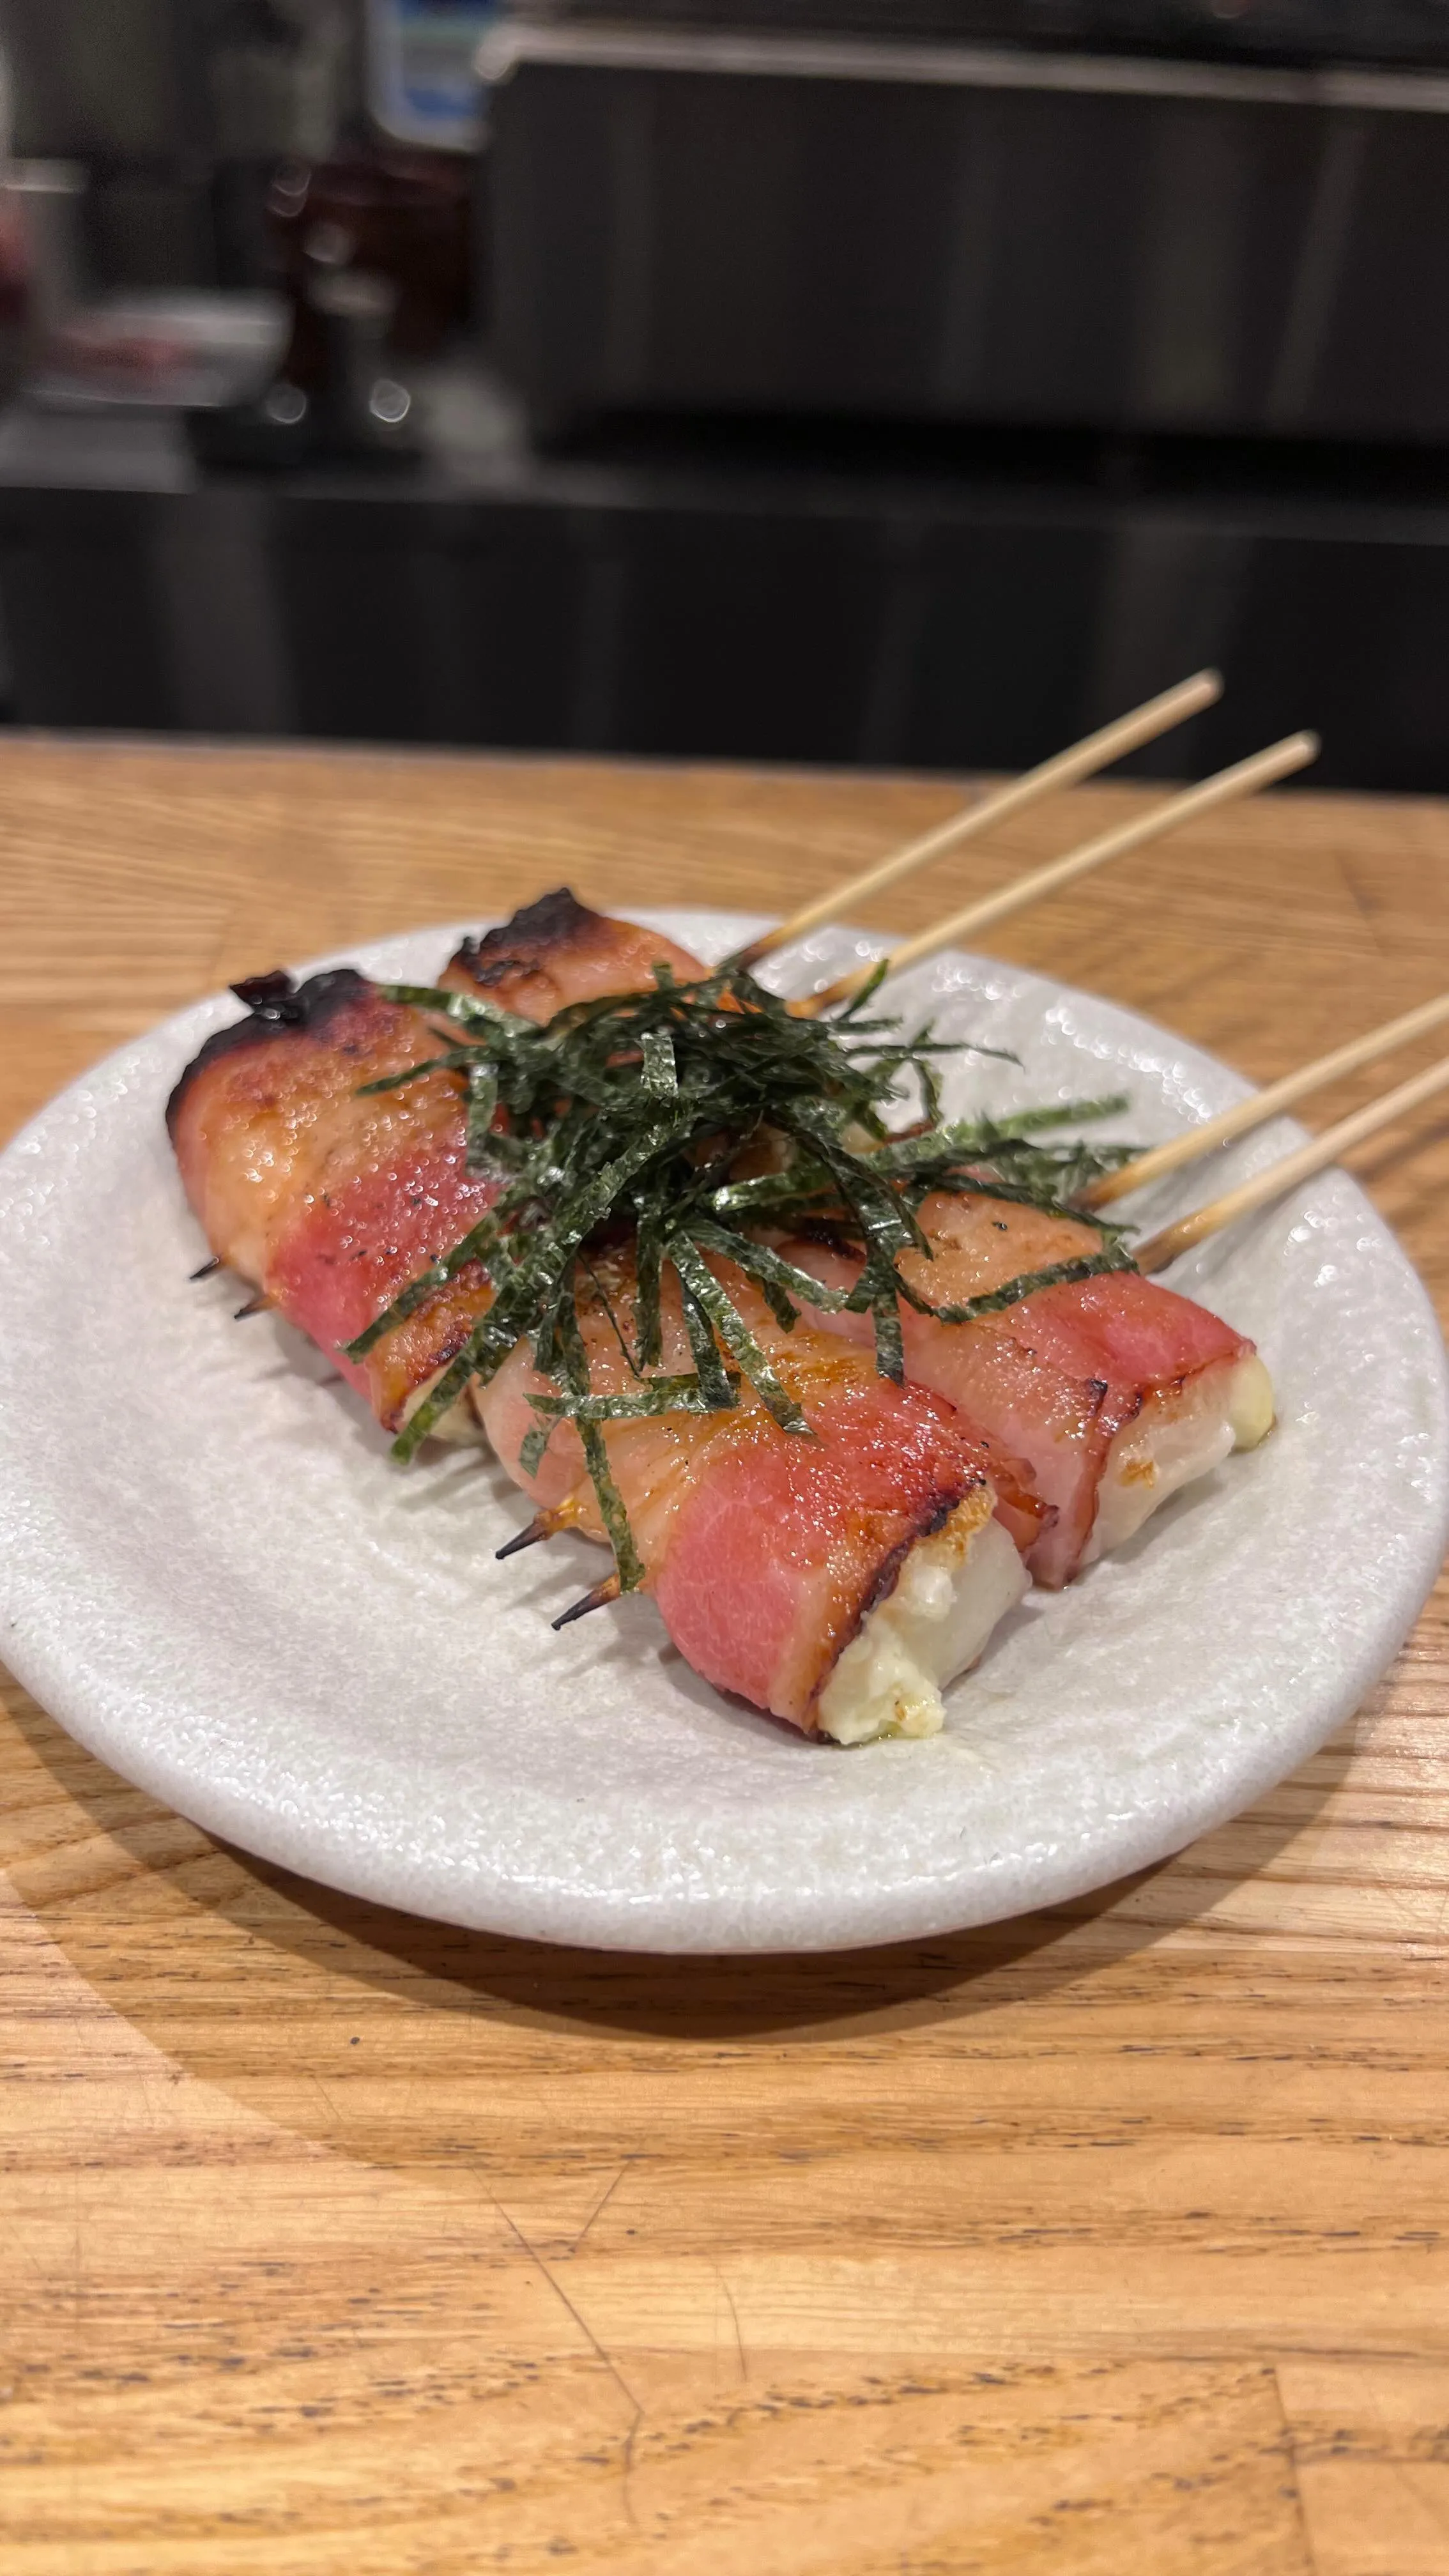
x=217, y=1579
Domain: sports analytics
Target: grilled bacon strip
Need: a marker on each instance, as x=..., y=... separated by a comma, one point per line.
x=326, y=1201
x=1116, y=1391
x=837, y=1582
x=330, y=1203
x=556, y=951
x=771, y=1555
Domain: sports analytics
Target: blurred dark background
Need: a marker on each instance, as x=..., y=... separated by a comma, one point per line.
x=908, y=382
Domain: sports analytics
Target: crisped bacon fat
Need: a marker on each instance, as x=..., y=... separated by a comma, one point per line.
x=556, y=951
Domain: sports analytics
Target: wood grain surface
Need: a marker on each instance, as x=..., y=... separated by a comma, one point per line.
x=1103, y=2241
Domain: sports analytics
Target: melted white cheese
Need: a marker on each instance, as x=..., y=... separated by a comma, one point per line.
x=1173, y=1442
x=459, y=1424
x=953, y=1588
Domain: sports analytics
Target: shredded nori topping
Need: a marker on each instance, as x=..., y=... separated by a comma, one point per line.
x=635, y=1113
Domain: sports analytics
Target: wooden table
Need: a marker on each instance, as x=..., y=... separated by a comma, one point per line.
x=1109, y=2240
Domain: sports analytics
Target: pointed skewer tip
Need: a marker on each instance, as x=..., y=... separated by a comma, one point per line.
x=601, y=1594
x=206, y=1270
x=543, y=1525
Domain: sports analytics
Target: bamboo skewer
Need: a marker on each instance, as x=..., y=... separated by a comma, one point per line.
x=1064, y=769
x=598, y=1599
x=1248, y=1114
x=1278, y=761
x=1313, y=1157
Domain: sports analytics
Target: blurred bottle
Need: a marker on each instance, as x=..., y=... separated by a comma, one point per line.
x=361, y=406
x=397, y=214
x=421, y=83
x=372, y=250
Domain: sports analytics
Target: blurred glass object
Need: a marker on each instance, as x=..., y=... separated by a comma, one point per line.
x=422, y=84
x=389, y=402
x=41, y=206
x=196, y=352
x=286, y=405
x=179, y=110
x=373, y=253
x=42, y=262
x=362, y=409
x=397, y=214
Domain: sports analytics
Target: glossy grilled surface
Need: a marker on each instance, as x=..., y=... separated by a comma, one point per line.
x=1061, y=1375
x=764, y=1550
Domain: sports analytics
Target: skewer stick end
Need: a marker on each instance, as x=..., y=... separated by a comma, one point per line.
x=543, y=1525
x=842, y=990
x=1160, y=1250
x=600, y=1596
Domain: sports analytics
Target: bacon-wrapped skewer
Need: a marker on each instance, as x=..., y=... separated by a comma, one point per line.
x=838, y=1581
x=1115, y=1391
x=330, y=1199
x=841, y=1580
